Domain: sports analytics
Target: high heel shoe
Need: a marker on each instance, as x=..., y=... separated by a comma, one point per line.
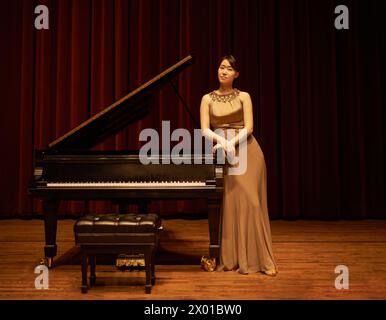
x=271, y=272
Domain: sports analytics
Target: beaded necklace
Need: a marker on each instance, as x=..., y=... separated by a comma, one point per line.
x=224, y=97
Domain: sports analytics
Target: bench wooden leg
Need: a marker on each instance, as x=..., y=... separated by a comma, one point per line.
x=152, y=266
x=92, y=269
x=148, y=268
x=84, y=272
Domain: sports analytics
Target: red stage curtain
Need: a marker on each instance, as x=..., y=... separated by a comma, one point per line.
x=318, y=92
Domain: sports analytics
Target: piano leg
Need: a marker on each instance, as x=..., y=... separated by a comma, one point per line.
x=50, y=225
x=214, y=219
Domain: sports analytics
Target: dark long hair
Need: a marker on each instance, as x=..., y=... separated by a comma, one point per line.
x=232, y=61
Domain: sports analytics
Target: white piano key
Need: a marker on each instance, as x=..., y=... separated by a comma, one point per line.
x=123, y=184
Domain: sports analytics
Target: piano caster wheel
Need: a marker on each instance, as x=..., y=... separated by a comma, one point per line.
x=47, y=262
x=208, y=263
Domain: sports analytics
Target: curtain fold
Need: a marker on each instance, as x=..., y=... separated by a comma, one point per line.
x=318, y=92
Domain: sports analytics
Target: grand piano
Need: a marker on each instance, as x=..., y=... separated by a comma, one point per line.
x=68, y=170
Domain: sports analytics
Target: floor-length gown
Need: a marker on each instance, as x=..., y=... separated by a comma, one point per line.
x=246, y=244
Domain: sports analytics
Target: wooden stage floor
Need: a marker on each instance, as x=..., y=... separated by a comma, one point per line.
x=307, y=253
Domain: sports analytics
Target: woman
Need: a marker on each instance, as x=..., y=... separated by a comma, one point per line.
x=246, y=244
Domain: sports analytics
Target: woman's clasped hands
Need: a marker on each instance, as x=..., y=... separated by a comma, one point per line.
x=227, y=147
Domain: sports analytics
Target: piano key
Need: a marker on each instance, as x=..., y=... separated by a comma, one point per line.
x=131, y=184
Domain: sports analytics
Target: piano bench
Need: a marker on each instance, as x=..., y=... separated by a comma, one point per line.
x=117, y=234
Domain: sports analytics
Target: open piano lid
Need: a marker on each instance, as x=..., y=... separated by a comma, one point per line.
x=118, y=115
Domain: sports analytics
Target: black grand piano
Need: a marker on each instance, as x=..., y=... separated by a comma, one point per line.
x=68, y=170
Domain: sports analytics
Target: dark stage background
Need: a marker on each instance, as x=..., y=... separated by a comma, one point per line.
x=318, y=92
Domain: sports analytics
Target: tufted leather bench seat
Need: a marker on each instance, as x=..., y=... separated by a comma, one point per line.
x=116, y=234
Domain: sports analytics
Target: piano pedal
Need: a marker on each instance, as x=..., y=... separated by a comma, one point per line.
x=129, y=262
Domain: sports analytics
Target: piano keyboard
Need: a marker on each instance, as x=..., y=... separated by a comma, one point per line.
x=121, y=184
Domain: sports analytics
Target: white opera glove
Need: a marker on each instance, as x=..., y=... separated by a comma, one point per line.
x=241, y=137
x=218, y=146
x=227, y=148
x=212, y=136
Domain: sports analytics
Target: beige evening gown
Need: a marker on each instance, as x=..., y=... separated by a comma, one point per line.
x=246, y=244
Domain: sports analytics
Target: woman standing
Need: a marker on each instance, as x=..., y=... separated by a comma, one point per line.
x=246, y=244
